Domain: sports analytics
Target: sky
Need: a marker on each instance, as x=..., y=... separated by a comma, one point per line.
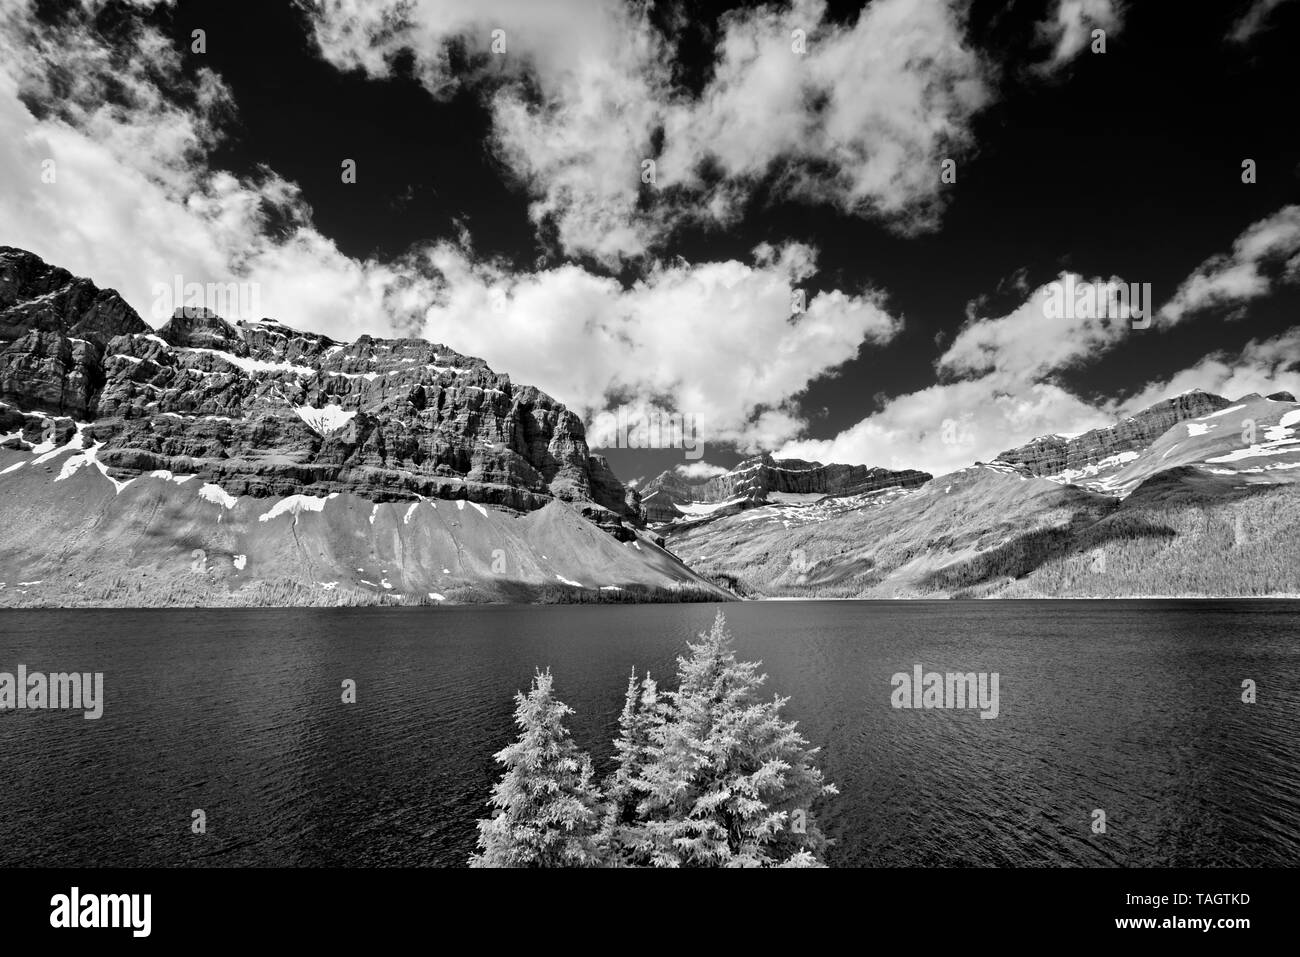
x=827, y=230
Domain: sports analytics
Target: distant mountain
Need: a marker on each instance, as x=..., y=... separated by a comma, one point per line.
x=1090, y=458
x=1253, y=439
x=760, y=480
x=290, y=427
x=1174, y=501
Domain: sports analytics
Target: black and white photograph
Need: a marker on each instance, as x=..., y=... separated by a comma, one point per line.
x=650, y=436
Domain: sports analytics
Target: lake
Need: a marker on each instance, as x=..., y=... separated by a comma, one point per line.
x=1133, y=708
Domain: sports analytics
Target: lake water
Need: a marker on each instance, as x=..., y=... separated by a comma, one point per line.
x=1133, y=708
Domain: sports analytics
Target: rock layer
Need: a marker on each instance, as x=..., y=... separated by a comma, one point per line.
x=1052, y=455
x=756, y=479
x=261, y=409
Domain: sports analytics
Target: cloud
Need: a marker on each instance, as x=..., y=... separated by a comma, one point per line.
x=700, y=470
x=135, y=203
x=132, y=202
x=574, y=87
x=860, y=119
x=1265, y=254
x=1035, y=339
x=1253, y=20
x=948, y=426
x=1264, y=366
x=1069, y=28
x=716, y=341
x=1002, y=389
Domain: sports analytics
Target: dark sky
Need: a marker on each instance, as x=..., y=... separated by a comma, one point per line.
x=1127, y=164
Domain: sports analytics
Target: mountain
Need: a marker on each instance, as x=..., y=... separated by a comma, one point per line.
x=670, y=497
x=219, y=463
x=124, y=450
x=1091, y=458
x=1174, y=501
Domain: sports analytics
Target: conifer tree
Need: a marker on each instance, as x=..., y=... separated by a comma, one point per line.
x=625, y=788
x=548, y=810
x=729, y=782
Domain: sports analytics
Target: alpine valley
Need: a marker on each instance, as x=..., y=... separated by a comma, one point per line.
x=217, y=463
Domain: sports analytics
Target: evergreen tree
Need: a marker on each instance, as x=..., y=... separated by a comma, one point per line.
x=547, y=806
x=729, y=782
x=625, y=788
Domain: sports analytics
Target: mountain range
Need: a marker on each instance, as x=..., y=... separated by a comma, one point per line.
x=215, y=463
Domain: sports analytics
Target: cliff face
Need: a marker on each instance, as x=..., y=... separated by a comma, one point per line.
x=37, y=297
x=758, y=478
x=1055, y=455
x=1208, y=508
x=260, y=409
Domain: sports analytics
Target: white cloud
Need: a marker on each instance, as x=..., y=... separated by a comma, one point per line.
x=715, y=341
x=574, y=96
x=1252, y=21
x=861, y=120
x=1033, y=340
x=1264, y=366
x=950, y=425
x=1069, y=28
x=700, y=470
x=1233, y=279
x=1007, y=394
x=133, y=202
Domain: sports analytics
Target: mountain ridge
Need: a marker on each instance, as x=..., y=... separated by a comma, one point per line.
x=671, y=497
x=211, y=462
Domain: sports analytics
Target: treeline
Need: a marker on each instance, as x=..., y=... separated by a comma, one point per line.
x=708, y=775
x=1239, y=548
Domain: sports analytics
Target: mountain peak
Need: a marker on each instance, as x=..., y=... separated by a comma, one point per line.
x=669, y=496
x=257, y=408
x=38, y=297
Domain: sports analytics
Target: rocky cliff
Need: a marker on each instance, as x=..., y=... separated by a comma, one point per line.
x=669, y=496
x=260, y=409
x=1206, y=508
x=1075, y=456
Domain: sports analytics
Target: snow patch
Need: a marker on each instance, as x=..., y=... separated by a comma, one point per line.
x=699, y=508
x=294, y=505
x=217, y=496
x=568, y=582
x=326, y=419
x=256, y=366
x=1215, y=415
x=89, y=457
x=241, y=561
